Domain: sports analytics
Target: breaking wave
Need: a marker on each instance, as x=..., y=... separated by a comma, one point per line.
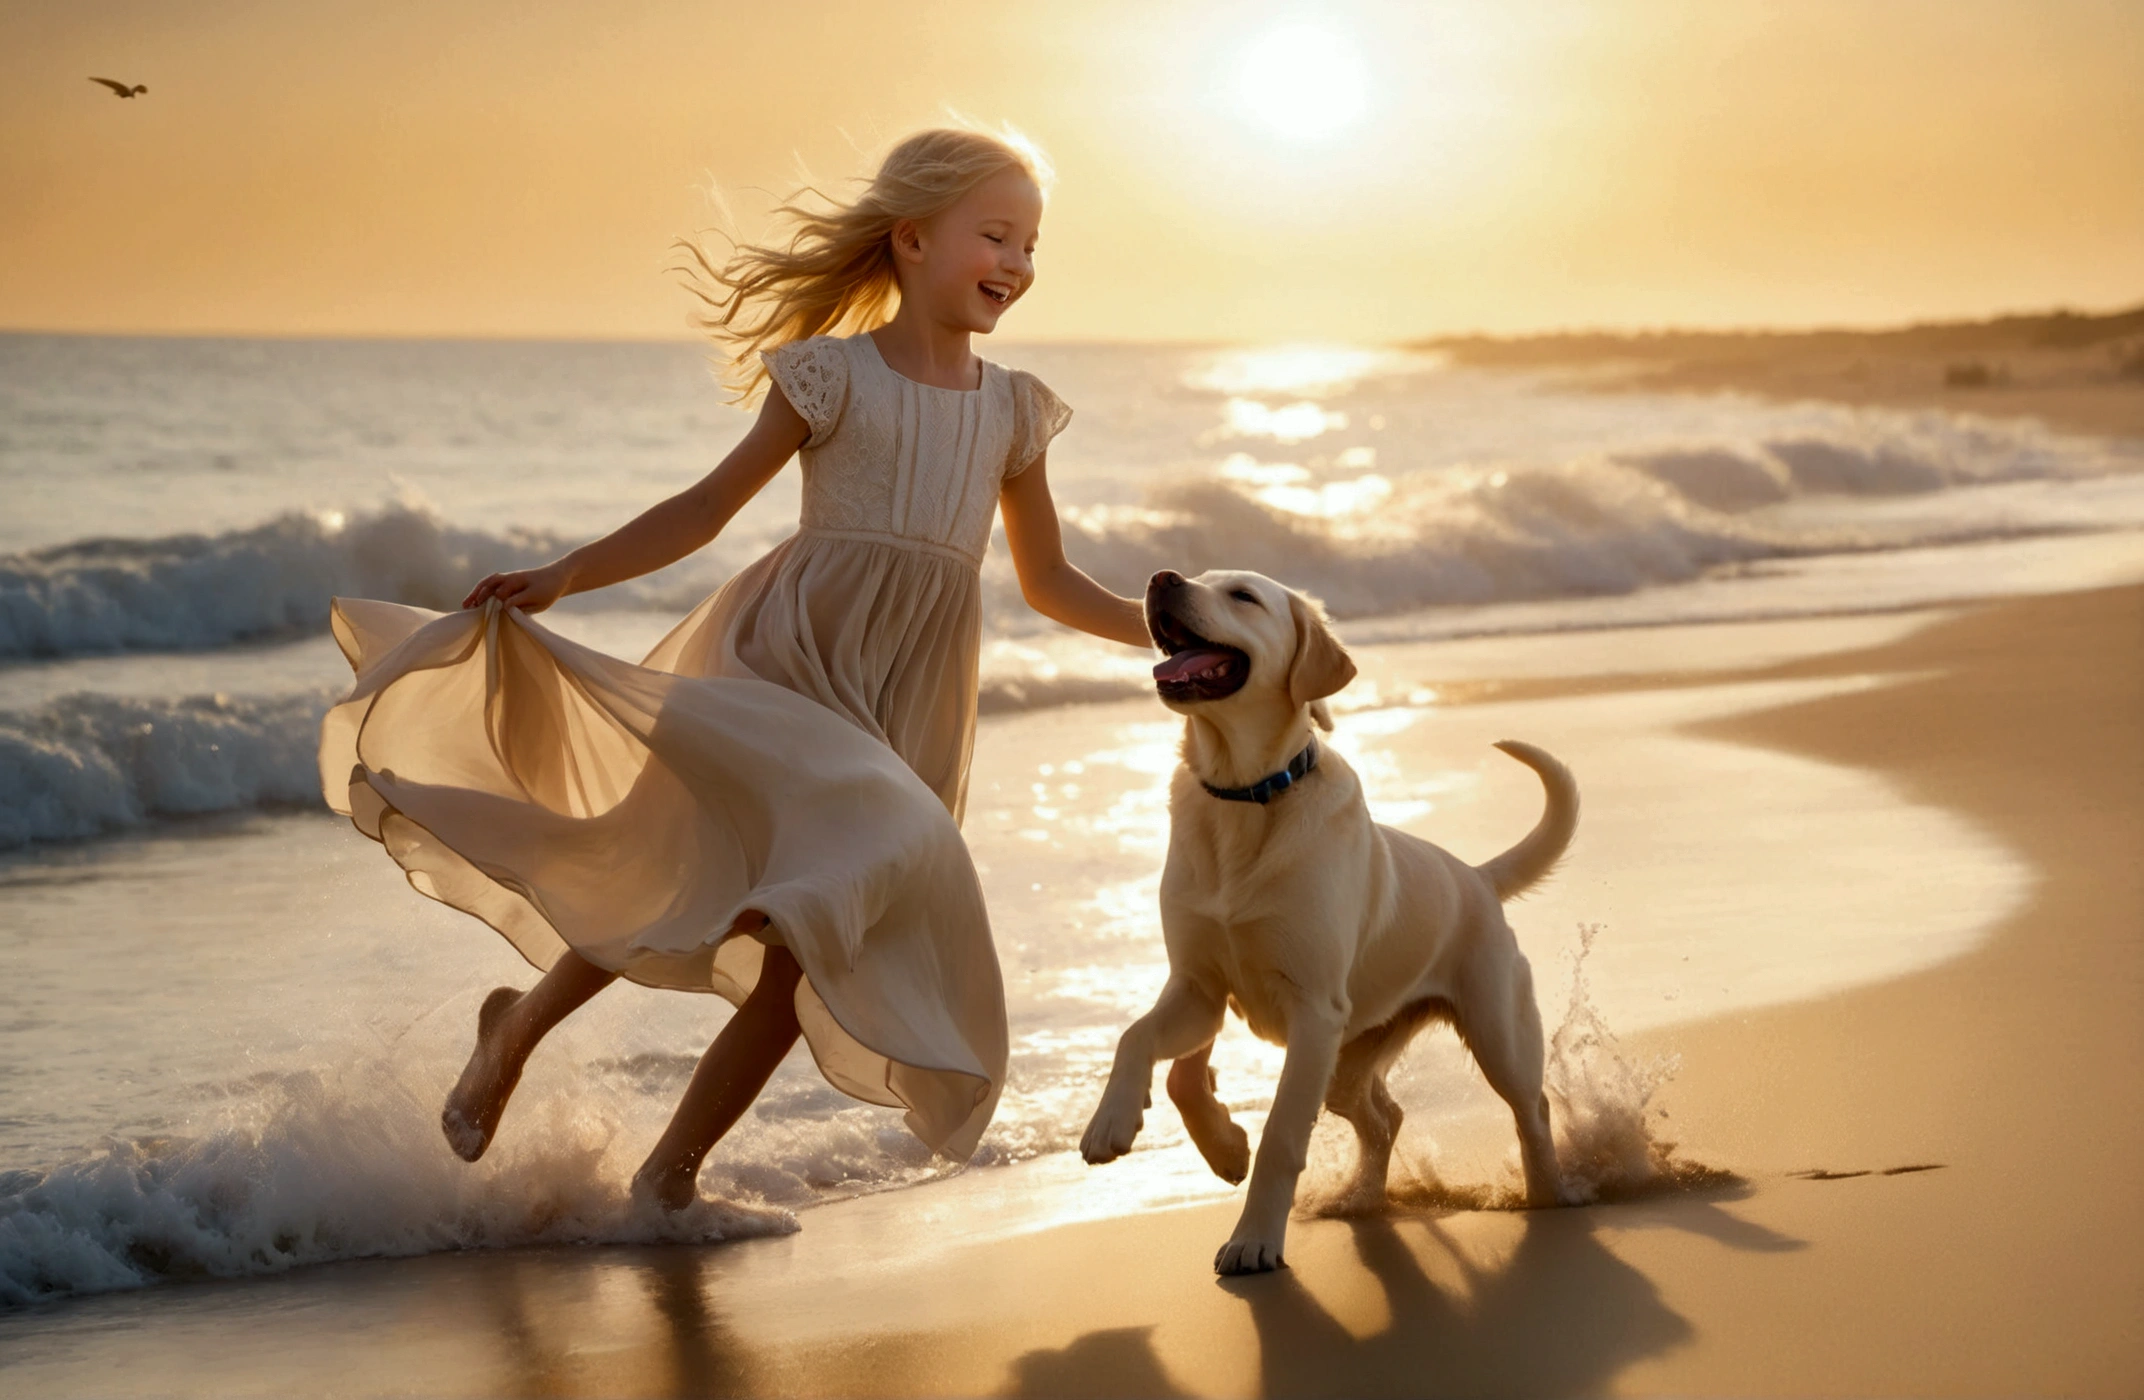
x=1367, y=542
x=184, y=592
x=1373, y=543
x=86, y=765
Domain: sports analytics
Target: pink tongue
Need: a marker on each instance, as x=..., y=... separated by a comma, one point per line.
x=1186, y=664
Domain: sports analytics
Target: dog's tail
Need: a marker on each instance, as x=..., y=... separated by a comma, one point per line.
x=1528, y=863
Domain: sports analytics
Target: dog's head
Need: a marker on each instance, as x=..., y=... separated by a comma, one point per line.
x=1233, y=637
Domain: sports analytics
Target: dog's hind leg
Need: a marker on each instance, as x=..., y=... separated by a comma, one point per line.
x=1219, y=1139
x=1359, y=1095
x=1502, y=1027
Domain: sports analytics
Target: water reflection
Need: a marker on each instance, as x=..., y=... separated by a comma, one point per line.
x=1313, y=371
x=1295, y=422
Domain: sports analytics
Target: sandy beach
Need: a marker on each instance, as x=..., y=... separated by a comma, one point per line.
x=1920, y=1185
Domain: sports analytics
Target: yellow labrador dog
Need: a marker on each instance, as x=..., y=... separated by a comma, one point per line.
x=1328, y=933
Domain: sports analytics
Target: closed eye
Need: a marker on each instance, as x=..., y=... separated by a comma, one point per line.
x=1244, y=595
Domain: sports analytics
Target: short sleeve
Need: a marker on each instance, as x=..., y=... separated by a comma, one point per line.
x=813, y=374
x=1037, y=416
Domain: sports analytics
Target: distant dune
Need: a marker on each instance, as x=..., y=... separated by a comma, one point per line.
x=2076, y=372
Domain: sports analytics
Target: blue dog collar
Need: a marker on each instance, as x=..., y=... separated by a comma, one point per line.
x=1273, y=784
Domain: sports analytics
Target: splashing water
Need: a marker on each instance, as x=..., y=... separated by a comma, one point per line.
x=316, y=1167
x=1603, y=1105
x=1604, y=1114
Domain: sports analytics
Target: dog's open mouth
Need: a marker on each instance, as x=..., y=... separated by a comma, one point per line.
x=1196, y=669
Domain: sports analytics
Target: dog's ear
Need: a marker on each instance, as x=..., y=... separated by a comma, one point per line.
x=1321, y=666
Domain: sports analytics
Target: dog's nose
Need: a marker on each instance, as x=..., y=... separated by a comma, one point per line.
x=1167, y=578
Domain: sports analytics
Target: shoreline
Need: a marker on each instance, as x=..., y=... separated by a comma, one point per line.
x=2073, y=373
x=2014, y=1267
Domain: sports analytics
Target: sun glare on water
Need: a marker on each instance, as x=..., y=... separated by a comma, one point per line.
x=1303, y=81
x=1312, y=371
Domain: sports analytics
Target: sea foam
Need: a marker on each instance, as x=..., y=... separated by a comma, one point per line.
x=309, y=1168
x=86, y=765
x=1386, y=542
x=344, y=1159
x=1366, y=542
x=182, y=592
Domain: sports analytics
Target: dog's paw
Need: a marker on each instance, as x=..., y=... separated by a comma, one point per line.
x=1109, y=1136
x=1549, y=1196
x=1365, y=1195
x=1249, y=1257
x=1226, y=1148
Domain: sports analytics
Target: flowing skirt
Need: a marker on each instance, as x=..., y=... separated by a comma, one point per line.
x=572, y=800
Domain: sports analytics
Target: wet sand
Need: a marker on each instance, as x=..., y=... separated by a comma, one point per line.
x=1935, y=1187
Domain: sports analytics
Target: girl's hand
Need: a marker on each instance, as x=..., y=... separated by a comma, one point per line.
x=1049, y=582
x=531, y=590
x=666, y=531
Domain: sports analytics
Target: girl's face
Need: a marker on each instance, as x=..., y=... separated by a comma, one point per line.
x=965, y=265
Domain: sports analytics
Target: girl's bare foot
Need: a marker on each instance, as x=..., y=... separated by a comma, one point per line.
x=472, y=1112
x=672, y=1188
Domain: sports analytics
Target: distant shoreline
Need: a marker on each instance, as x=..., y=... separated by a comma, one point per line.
x=2074, y=372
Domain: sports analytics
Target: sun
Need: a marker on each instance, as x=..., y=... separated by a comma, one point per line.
x=1303, y=81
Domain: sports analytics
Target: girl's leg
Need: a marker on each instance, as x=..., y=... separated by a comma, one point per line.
x=731, y=1074
x=507, y=1029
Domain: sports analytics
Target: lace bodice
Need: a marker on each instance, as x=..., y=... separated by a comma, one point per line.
x=889, y=457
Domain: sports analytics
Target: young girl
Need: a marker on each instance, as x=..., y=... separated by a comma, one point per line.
x=766, y=807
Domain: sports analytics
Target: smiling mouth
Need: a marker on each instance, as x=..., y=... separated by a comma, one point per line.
x=1196, y=669
x=1001, y=295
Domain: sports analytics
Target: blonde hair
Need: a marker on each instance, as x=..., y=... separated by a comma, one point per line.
x=836, y=272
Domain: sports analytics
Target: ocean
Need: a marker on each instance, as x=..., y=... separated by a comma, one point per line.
x=226, y=1023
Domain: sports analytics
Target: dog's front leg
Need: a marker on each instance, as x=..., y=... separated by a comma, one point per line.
x=1183, y=1019
x=1313, y=1049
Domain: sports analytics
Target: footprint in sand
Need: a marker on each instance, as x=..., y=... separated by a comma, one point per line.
x=1821, y=1174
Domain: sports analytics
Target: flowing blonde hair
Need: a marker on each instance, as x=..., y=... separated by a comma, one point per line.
x=836, y=273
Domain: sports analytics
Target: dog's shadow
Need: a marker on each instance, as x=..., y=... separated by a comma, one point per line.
x=1561, y=1314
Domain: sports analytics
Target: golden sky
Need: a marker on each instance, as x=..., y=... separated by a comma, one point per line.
x=518, y=167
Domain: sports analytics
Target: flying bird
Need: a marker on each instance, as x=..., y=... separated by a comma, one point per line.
x=121, y=88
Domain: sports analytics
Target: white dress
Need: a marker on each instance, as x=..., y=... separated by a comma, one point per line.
x=798, y=745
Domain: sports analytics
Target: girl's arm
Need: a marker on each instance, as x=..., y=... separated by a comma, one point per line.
x=1049, y=582
x=667, y=531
